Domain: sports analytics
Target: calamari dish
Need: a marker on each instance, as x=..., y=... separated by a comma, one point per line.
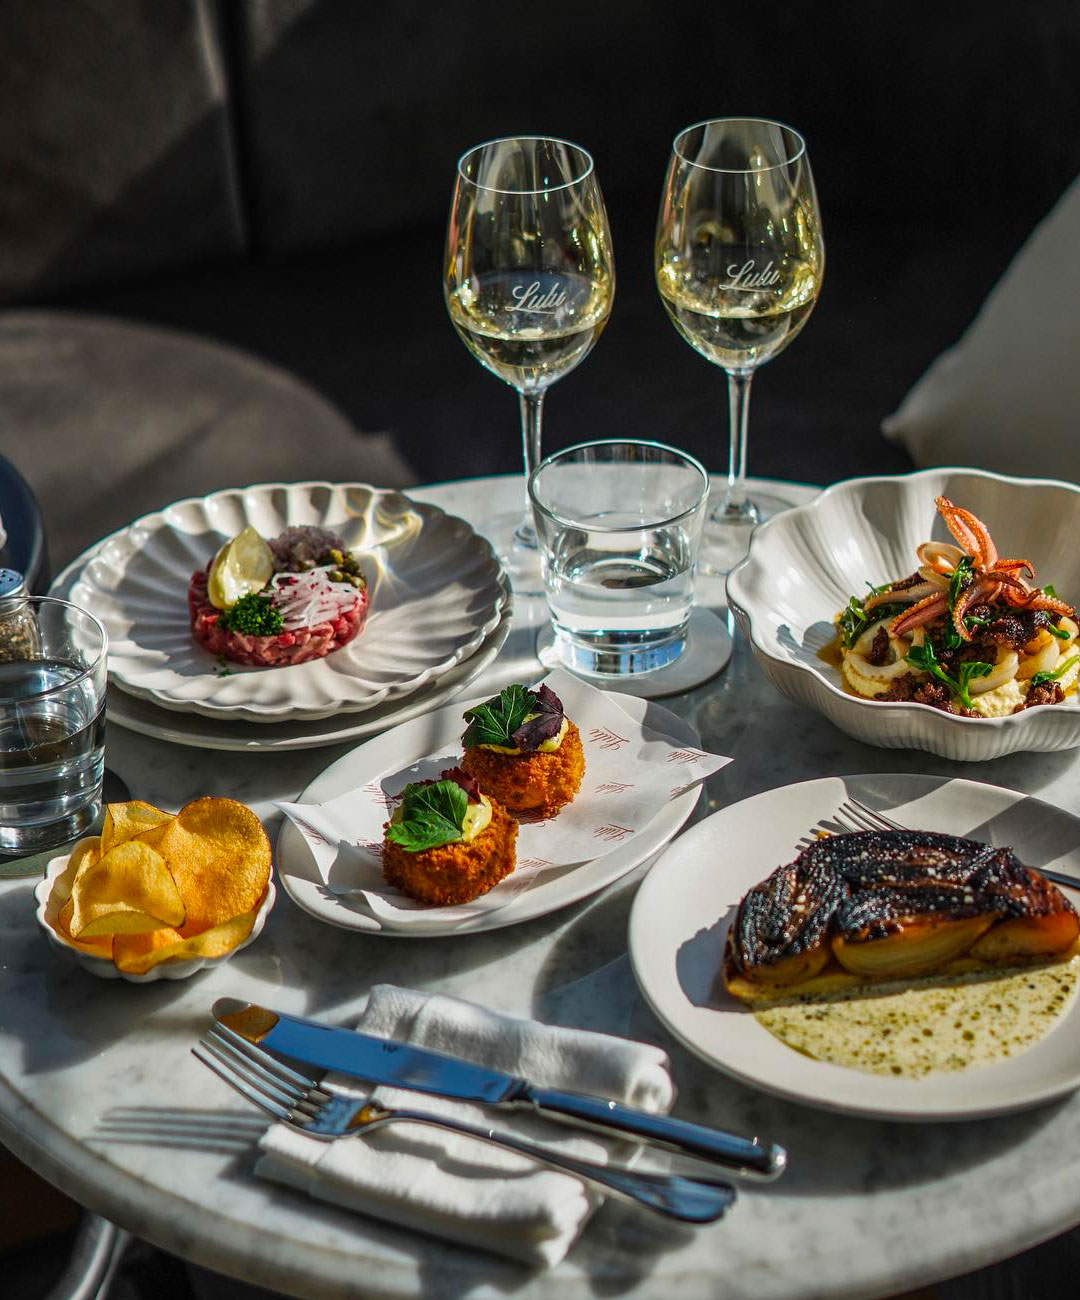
x=296, y=598
x=447, y=842
x=904, y=952
x=969, y=632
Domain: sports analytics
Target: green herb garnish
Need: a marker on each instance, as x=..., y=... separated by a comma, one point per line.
x=253, y=615
x=1040, y=679
x=854, y=620
x=962, y=577
x=431, y=814
x=923, y=658
x=223, y=669
x=1059, y=632
x=495, y=721
x=1048, y=590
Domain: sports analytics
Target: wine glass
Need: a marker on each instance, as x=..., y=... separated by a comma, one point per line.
x=529, y=281
x=739, y=264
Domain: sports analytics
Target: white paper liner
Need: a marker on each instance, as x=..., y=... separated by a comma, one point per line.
x=630, y=774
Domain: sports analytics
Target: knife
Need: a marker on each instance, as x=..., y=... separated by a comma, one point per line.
x=382, y=1060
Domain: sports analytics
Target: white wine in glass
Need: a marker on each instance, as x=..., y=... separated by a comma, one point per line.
x=529, y=281
x=739, y=264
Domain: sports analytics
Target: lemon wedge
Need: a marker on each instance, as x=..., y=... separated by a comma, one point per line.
x=244, y=565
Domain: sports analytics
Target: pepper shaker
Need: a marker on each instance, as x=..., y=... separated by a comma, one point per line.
x=19, y=635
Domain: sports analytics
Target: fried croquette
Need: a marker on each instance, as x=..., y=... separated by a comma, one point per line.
x=458, y=872
x=535, y=782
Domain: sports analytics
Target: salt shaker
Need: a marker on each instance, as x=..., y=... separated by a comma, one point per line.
x=19, y=635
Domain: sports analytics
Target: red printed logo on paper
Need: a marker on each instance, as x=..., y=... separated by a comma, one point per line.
x=607, y=739
x=612, y=831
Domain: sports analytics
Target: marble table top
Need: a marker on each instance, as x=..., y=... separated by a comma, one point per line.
x=867, y=1208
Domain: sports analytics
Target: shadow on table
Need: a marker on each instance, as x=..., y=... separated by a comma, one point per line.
x=58, y=1013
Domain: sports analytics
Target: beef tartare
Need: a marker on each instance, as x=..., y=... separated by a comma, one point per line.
x=299, y=597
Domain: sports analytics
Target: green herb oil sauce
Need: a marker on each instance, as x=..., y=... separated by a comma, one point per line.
x=943, y=1023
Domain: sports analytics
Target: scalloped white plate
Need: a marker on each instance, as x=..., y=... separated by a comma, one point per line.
x=48, y=908
x=436, y=592
x=804, y=564
x=681, y=913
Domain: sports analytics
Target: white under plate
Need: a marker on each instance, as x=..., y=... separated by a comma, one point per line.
x=435, y=587
x=404, y=745
x=210, y=733
x=682, y=911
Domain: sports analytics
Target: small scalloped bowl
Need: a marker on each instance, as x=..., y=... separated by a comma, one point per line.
x=48, y=906
x=803, y=566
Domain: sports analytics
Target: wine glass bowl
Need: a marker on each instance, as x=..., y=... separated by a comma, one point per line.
x=529, y=277
x=739, y=260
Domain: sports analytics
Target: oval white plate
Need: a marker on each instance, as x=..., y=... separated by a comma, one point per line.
x=48, y=908
x=804, y=564
x=436, y=592
x=412, y=740
x=683, y=908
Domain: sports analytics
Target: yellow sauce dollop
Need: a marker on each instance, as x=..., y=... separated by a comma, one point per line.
x=943, y=1023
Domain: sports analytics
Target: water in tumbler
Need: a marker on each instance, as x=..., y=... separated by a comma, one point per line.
x=52, y=746
x=623, y=593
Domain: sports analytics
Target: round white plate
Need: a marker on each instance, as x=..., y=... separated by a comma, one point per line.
x=684, y=906
x=48, y=909
x=435, y=587
x=209, y=733
x=405, y=744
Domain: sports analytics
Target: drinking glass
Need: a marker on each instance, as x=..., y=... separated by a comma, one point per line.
x=52, y=725
x=739, y=263
x=529, y=281
x=619, y=525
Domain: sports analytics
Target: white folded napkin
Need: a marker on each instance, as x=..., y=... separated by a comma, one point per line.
x=457, y=1187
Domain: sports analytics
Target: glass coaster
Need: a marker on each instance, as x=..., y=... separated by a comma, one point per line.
x=708, y=649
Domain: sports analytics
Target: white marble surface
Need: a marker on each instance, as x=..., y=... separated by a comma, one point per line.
x=867, y=1209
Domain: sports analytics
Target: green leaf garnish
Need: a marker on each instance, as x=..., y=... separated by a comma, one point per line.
x=854, y=620
x=430, y=815
x=1059, y=632
x=923, y=658
x=1048, y=590
x=495, y=721
x=1040, y=679
x=962, y=577
x=253, y=615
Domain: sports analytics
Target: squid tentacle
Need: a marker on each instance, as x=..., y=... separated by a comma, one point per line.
x=969, y=531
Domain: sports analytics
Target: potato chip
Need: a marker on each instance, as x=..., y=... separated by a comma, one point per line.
x=84, y=853
x=127, y=891
x=129, y=821
x=219, y=856
x=62, y=925
x=137, y=953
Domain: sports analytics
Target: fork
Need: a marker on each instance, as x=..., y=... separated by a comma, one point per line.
x=855, y=816
x=302, y=1104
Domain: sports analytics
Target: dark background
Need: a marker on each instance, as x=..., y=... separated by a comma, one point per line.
x=276, y=173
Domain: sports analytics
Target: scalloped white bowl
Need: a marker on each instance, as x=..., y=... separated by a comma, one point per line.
x=48, y=907
x=803, y=566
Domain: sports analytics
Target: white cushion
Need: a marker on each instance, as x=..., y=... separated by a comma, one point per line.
x=1006, y=397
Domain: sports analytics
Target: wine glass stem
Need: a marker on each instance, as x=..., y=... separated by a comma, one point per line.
x=532, y=413
x=735, y=507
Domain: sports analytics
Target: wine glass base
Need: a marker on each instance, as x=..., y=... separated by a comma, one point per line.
x=728, y=528
x=520, y=560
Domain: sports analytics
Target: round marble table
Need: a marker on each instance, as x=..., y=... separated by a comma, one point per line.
x=867, y=1209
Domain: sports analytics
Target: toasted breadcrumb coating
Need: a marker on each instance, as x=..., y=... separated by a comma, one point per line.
x=454, y=873
x=536, y=782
